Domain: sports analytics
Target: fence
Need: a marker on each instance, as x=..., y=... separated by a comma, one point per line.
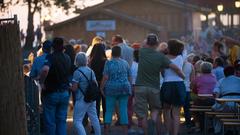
x=32, y=106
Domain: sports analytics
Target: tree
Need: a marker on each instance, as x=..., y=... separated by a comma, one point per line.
x=12, y=112
x=36, y=6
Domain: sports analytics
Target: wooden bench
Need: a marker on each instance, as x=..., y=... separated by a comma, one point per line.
x=229, y=124
x=226, y=116
x=199, y=109
x=205, y=95
x=203, y=107
x=214, y=114
x=230, y=120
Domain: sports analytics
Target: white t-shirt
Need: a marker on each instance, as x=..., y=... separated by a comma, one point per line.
x=169, y=74
x=134, y=70
x=187, y=70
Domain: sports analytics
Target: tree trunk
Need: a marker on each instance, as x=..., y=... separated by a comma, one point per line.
x=30, y=31
x=12, y=101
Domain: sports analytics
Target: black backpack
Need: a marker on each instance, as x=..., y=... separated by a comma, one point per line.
x=92, y=90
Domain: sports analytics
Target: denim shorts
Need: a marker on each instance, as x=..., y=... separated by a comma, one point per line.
x=173, y=93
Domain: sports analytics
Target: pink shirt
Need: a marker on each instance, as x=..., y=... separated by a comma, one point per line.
x=204, y=84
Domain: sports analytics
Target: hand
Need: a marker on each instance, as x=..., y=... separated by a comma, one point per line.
x=43, y=86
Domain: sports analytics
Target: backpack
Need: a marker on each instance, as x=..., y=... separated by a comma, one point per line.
x=92, y=90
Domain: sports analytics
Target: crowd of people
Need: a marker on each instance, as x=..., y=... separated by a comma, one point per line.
x=145, y=78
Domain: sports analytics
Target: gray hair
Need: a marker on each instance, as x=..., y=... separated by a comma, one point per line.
x=81, y=59
x=197, y=66
x=206, y=67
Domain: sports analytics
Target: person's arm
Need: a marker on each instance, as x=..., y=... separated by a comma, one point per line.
x=75, y=80
x=103, y=82
x=104, y=78
x=177, y=70
x=216, y=91
x=43, y=74
x=231, y=40
x=74, y=86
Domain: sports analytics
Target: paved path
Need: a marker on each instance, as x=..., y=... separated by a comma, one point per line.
x=116, y=130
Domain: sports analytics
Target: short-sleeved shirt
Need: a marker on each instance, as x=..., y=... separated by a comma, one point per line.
x=79, y=78
x=37, y=65
x=126, y=53
x=230, y=84
x=218, y=72
x=204, y=84
x=118, y=72
x=150, y=64
x=169, y=74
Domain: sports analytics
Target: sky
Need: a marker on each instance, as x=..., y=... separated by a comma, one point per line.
x=57, y=15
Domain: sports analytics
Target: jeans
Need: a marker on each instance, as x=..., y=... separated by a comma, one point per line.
x=186, y=107
x=110, y=107
x=80, y=109
x=55, y=107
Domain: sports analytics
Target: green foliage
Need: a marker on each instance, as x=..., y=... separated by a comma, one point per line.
x=36, y=5
x=33, y=7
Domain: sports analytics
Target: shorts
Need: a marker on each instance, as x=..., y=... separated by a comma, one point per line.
x=146, y=98
x=173, y=93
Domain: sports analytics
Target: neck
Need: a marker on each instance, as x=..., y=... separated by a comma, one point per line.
x=151, y=47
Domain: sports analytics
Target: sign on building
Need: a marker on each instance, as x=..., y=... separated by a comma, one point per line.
x=100, y=25
x=102, y=34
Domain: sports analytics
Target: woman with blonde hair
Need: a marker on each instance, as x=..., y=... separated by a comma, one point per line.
x=96, y=40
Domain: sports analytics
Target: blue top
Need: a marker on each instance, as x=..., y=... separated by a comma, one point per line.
x=118, y=72
x=37, y=65
x=81, y=80
x=230, y=84
x=218, y=72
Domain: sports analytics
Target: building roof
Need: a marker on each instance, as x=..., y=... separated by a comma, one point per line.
x=102, y=8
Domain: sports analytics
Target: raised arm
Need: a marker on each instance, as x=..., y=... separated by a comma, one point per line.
x=231, y=40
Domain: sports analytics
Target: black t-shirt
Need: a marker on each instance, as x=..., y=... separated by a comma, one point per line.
x=59, y=71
